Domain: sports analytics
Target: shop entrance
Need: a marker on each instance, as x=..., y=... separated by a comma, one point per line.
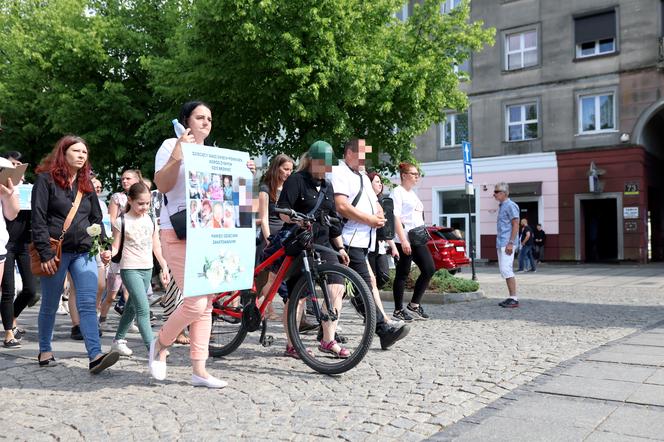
x=600, y=229
x=597, y=221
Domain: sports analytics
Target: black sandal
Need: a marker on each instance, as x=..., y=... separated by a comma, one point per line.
x=12, y=343
x=46, y=362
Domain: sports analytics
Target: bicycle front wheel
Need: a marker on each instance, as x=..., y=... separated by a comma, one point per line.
x=356, y=322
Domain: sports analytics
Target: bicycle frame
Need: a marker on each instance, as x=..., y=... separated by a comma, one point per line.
x=227, y=307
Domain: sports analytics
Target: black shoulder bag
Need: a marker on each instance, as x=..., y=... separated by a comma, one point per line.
x=419, y=236
x=118, y=256
x=178, y=220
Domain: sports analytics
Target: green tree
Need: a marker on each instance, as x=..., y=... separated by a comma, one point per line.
x=282, y=73
x=73, y=66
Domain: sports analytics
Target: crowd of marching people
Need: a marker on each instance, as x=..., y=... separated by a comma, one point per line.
x=61, y=239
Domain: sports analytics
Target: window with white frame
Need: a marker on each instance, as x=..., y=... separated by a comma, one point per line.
x=597, y=113
x=454, y=130
x=522, y=122
x=447, y=6
x=521, y=49
x=595, y=34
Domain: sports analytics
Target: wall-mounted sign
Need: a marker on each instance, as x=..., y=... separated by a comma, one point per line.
x=631, y=212
x=630, y=226
x=631, y=189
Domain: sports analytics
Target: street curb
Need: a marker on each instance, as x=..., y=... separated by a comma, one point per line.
x=441, y=298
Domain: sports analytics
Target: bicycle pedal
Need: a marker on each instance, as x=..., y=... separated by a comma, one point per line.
x=268, y=341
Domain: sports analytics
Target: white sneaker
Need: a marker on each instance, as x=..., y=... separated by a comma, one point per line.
x=62, y=310
x=209, y=382
x=157, y=367
x=120, y=346
x=133, y=328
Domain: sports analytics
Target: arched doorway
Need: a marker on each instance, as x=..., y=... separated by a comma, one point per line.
x=649, y=133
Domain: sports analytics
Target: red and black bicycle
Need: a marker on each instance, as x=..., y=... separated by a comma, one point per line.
x=235, y=314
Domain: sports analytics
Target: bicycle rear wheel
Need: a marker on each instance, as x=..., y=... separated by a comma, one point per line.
x=355, y=329
x=228, y=332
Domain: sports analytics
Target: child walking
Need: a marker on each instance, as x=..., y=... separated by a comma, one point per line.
x=136, y=237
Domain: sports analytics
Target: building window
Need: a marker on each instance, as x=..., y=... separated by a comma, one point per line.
x=522, y=122
x=402, y=14
x=463, y=68
x=521, y=50
x=595, y=34
x=453, y=212
x=447, y=6
x=596, y=113
x=454, y=130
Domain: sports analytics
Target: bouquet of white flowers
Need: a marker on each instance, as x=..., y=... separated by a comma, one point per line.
x=98, y=245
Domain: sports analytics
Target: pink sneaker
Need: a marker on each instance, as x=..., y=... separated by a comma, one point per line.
x=328, y=347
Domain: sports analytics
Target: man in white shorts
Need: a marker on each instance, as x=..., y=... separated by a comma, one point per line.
x=507, y=230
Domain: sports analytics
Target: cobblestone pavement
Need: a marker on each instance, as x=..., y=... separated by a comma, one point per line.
x=465, y=357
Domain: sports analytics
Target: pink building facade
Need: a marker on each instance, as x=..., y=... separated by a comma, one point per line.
x=534, y=186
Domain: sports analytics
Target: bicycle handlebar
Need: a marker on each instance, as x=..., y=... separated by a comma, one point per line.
x=298, y=216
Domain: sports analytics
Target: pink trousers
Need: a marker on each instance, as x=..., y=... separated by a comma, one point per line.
x=194, y=312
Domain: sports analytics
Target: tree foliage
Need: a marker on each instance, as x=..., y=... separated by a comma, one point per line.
x=73, y=66
x=277, y=73
x=282, y=73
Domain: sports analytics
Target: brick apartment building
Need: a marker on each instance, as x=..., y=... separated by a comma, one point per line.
x=567, y=107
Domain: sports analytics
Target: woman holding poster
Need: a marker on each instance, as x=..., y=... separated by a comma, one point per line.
x=195, y=311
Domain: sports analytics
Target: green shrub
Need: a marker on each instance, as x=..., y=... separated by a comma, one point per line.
x=442, y=282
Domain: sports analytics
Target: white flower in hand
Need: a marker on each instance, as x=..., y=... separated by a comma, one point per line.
x=94, y=230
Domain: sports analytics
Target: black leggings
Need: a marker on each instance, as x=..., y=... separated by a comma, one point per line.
x=9, y=309
x=424, y=261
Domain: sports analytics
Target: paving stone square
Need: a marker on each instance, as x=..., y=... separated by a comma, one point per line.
x=460, y=362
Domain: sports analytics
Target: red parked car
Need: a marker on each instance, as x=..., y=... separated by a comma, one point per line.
x=447, y=248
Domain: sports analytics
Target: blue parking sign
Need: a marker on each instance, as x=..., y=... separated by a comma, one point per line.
x=467, y=161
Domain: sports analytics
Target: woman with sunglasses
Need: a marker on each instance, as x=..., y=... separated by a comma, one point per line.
x=409, y=214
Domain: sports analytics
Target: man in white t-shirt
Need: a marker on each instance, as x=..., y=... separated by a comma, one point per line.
x=358, y=204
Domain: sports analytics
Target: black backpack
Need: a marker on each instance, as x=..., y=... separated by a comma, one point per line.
x=387, y=231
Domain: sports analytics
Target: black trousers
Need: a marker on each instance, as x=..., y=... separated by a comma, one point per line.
x=424, y=261
x=358, y=262
x=10, y=308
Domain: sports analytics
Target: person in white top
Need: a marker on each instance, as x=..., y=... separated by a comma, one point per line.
x=195, y=311
x=9, y=208
x=409, y=214
x=356, y=201
x=136, y=238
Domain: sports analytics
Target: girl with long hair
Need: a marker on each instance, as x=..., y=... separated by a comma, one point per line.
x=137, y=231
x=273, y=180
x=117, y=207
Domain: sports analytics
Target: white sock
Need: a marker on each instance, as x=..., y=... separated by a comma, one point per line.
x=516, y=298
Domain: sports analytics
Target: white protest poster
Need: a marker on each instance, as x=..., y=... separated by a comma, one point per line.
x=221, y=238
